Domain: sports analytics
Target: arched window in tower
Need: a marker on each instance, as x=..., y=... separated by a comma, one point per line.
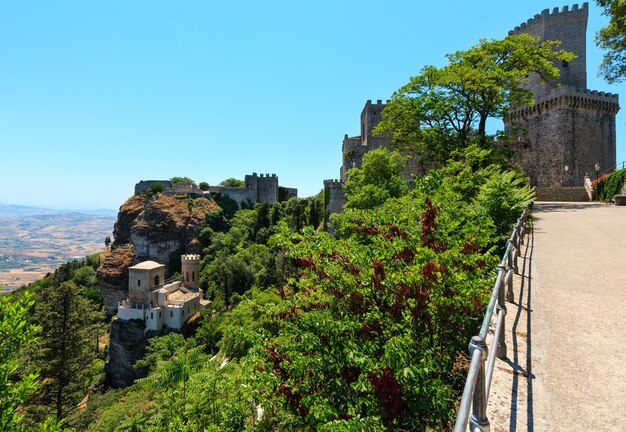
x=138, y=282
x=157, y=280
x=193, y=276
x=187, y=276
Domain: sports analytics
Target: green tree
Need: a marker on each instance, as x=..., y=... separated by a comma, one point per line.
x=379, y=179
x=159, y=349
x=155, y=188
x=613, y=39
x=15, y=332
x=377, y=326
x=204, y=186
x=64, y=354
x=232, y=182
x=178, y=179
x=85, y=277
x=443, y=109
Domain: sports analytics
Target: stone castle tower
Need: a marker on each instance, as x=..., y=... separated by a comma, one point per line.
x=190, y=270
x=355, y=147
x=570, y=129
x=265, y=187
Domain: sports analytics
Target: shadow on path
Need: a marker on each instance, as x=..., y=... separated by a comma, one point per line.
x=525, y=286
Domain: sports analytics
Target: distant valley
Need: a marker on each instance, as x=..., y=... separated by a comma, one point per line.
x=35, y=241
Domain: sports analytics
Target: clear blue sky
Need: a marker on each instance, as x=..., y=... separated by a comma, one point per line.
x=98, y=95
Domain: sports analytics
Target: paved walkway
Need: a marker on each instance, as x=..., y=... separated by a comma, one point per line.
x=566, y=331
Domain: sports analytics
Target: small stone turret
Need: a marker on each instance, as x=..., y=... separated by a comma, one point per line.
x=190, y=268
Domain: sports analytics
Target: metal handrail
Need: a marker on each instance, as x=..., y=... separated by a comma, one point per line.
x=478, y=382
x=610, y=170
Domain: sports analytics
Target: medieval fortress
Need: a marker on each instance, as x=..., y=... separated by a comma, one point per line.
x=258, y=189
x=568, y=133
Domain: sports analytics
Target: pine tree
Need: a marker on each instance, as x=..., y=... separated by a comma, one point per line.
x=66, y=350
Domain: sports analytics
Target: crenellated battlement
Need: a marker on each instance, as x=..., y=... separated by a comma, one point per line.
x=190, y=257
x=378, y=102
x=556, y=14
x=584, y=93
x=590, y=100
x=333, y=184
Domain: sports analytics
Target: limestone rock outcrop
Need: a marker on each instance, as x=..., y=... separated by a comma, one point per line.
x=159, y=229
x=167, y=226
x=127, y=344
x=113, y=276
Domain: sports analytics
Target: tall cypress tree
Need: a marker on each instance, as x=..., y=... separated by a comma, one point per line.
x=66, y=349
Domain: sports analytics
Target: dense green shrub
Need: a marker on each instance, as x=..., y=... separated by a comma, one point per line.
x=609, y=186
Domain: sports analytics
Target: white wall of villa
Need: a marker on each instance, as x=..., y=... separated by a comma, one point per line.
x=160, y=305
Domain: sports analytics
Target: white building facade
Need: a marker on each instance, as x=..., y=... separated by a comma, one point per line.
x=160, y=303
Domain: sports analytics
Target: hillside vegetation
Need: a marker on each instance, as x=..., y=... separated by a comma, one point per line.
x=365, y=329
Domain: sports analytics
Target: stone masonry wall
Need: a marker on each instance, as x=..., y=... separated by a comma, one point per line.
x=144, y=185
x=570, y=27
x=567, y=130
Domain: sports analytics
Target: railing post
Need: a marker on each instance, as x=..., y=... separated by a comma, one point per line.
x=478, y=420
x=510, y=297
x=501, y=350
x=513, y=257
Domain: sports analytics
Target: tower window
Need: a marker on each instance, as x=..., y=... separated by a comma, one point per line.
x=193, y=276
x=565, y=63
x=156, y=280
x=138, y=282
x=187, y=276
x=171, y=314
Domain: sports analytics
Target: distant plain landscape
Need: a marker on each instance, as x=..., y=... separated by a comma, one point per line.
x=35, y=241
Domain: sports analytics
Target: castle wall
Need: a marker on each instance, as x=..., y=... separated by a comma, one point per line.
x=285, y=193
x=573, y=129
x=144, y=185
x=240, y=195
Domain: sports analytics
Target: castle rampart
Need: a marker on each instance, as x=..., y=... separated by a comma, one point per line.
x=261, y=188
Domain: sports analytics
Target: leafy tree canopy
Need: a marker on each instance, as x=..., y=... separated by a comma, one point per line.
x=175, y=180
x=443, y=109
x=232, y=182
x=15, y=332
x=203, y=186
x=613, y=39
x=379, y=179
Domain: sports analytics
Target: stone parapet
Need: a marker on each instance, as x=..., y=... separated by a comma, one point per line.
x=545, y=15
x=568, y=98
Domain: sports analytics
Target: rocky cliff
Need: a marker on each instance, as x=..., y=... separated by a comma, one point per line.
x=127, y=344
x=158, y=229
x=113, y=276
